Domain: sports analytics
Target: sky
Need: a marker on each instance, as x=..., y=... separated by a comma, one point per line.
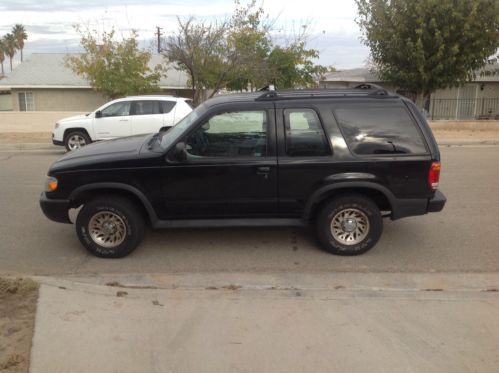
x=49, y=23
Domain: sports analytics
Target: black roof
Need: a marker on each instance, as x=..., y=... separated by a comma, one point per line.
x=363, y=90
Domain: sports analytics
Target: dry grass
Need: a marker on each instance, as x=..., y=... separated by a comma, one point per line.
x=18, y=298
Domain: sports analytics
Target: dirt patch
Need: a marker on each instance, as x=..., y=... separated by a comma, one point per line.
x=464, y=125
x=18, y=298
x=25, y=137
x=465, y=130
x=468, y=135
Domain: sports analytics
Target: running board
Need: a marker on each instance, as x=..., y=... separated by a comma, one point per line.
x=228, y=223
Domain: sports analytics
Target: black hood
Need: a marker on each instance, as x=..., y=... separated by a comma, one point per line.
x=110, y=153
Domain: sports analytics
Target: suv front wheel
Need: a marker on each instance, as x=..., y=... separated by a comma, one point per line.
x=349, y=225
x=75, y=140
x=110, y=227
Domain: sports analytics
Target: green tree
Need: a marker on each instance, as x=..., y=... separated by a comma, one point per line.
x=248, y=38
x=2, y=54
x=424, y=45
x=20, y=34
x=238, y=54
x=115, y=68
x=293, y=66
x=10, y=44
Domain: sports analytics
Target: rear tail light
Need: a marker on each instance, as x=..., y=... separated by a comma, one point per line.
x=434, y=175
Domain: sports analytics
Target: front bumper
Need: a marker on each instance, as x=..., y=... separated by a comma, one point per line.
x=55, y=209
x=56, y=142
x=437, y=203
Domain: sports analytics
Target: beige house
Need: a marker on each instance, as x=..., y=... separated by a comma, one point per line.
x=43, y=83
x=478, y=99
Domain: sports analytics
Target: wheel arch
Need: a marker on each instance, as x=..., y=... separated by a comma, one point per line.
x=380, y=195
x=90, y=191
x=67, y=131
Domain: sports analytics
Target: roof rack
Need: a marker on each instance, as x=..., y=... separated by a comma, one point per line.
x=362, y=90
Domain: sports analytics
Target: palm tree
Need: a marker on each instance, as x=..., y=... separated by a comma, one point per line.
x=10, y=43
x=2, y=55
x=20, y=34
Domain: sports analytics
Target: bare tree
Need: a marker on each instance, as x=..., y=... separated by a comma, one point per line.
x=199, y=49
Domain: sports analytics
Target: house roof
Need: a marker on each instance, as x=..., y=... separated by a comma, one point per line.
x=47, y=70
x=360, y=75
x=489, y=73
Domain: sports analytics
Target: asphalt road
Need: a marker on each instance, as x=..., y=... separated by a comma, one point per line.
x=463, y=238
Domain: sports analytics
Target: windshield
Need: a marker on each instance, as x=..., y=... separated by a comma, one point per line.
x=176, y=131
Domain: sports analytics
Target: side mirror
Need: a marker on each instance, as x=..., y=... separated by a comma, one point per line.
x=98, y=114
x=180, y=152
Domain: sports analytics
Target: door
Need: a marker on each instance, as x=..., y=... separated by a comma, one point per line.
x=115, y=121
x=230, y=170
x=305, y=156
x=146, y=117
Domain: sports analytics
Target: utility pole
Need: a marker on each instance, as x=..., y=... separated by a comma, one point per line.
x=158, y=33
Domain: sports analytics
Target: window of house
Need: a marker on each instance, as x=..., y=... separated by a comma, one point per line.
x=231, y=134
x=304, y=134
x=26, y=101
x=379, y=130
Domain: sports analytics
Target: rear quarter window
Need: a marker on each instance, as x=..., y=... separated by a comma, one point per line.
x=166, y=106
x=379, y=130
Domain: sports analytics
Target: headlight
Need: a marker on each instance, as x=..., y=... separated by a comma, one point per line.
x=50, y=184
x=56, y=125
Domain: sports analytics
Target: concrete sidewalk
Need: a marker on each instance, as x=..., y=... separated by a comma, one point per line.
x=268, y=323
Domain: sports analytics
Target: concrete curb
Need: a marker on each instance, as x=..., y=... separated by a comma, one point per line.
x=467, y=142
x=351, y=281
x=29, y=147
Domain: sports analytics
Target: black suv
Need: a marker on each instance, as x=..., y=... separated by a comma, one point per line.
x=339, y=159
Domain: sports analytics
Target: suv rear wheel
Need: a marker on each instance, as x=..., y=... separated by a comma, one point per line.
x=110, y=227
x=75, y=140
x=349, y=225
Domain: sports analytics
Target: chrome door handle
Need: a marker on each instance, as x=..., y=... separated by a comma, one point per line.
x=263, y=170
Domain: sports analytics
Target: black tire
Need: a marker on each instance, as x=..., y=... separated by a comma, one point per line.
x=366, y=209
x=85, y=139
x=118, y=210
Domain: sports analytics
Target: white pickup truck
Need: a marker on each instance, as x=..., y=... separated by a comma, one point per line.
x=119, y=118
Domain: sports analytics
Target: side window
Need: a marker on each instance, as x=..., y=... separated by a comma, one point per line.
x=379, y=130
x=166, y=106
x=117, y=109
x=304, y=134
x=231, y=134
x=146, y=107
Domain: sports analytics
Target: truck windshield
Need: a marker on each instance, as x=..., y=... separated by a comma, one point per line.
x=176, y=131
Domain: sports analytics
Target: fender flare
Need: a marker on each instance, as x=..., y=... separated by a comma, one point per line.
x=320, y=193
x=118, y=186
